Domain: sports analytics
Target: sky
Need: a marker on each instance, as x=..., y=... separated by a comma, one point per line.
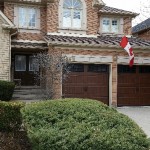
x=138, y=6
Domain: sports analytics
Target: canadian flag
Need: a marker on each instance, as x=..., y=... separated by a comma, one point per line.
x=126, y=45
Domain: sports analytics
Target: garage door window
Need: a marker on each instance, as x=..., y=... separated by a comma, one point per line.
x=76, y=67
x=97, y=68
x=126, y=69
x=144, y=69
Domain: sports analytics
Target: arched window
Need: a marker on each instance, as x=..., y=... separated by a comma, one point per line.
x=72, y=14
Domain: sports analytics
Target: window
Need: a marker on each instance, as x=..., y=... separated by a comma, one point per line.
x=110, y=25
x=72, y=14
x=27, y=17
x=98, y=68
x=144, y=69
x=33, y=65
x=76, y=67
x=126, y=69
x=20, y=63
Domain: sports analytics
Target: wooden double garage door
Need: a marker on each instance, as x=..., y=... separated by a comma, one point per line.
x=88, y=81
x=133, y=85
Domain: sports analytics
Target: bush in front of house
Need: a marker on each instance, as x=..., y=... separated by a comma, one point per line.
x=76, y=124
x=10, y=116
x=6, y=90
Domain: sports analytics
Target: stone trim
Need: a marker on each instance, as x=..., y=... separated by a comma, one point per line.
x=137, y=60
x=89, y=58
x=71, y=34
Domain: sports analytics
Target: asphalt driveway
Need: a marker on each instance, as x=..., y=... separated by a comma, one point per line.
x=141, y=115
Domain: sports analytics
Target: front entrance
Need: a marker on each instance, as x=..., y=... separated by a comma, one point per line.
x=133, y=85
x=88, y=81
x=24, y=69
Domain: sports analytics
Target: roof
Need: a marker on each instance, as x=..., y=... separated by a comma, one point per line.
x=100, y=41
x=29, y=45
x=114, y=11
x=141, y=26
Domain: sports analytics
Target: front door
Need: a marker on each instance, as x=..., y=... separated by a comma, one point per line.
x=25, y=69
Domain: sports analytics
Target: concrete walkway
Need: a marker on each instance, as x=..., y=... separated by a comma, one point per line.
x=141, y=115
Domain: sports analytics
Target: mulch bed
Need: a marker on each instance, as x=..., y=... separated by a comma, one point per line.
x=14, y=141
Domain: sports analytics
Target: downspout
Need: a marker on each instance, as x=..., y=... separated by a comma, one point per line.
x=11, y=76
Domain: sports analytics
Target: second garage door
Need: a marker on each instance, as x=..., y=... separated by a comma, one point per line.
x=133, y=85
x=88, y=81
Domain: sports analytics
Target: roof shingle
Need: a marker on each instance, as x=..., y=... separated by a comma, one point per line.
x=29, y=45
x=100, y=41
x=141, y=26
x=111, y=10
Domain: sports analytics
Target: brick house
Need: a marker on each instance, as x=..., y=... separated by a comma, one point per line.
x=142, y=30
x=88, y=32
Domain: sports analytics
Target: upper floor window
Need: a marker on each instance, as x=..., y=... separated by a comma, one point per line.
x=27, y=17
x=111, y=25
x=72, y=14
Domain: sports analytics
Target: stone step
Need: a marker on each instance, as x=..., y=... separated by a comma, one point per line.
x=28, y=93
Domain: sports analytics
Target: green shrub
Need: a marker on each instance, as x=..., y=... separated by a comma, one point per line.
x=6, y=90
x=10, y=116
x=74, y=124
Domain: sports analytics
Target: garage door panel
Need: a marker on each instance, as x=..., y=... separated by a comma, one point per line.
x=124, y=80
x=97, y=78
x=75, y=78
x=128, y=101
x=134, y=87
x=127, y=91
x=99, y=91
x=145, y=90
x=144, y=80
x=92, y=83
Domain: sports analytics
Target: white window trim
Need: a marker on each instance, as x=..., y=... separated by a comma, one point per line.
x=83, y=23
x=16, y=18
x=120, y=25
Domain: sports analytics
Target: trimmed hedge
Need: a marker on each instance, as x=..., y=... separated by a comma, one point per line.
x=74, y=124
x=6, y=90
x=10, y=116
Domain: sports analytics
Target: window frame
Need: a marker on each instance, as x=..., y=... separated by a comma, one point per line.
x=25, y=63
x=113, y=18
x=32, y=67
x=27, y=8
x=83, y=19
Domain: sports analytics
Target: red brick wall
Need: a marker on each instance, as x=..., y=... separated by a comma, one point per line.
x=52, y=17
x=9, y=12
x=127, y=25
x=145, y=35
x=49, y=20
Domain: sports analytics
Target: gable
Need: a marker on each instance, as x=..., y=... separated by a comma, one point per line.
x=4, y=21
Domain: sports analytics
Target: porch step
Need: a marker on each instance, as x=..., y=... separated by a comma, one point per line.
x=28, y=93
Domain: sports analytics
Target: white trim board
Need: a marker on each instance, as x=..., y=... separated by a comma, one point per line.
x=6, y=19
x=89, y=58
x=137, y=60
